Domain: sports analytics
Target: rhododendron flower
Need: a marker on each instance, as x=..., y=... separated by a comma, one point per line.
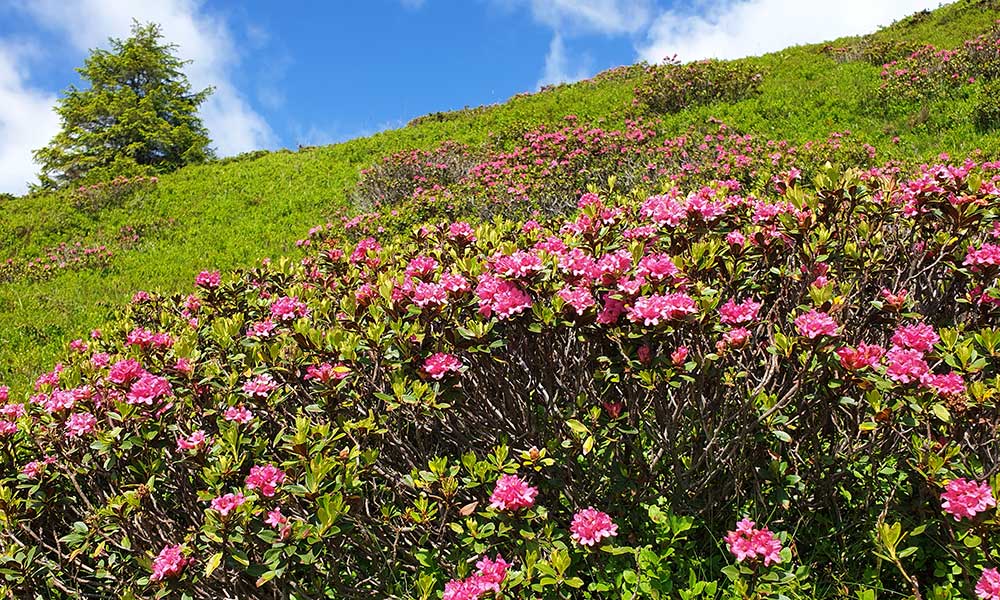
x=421, y=266
x=326, y=372
x=260, y=386
x=463, y=589
x=905, y=366
x=590, y=526
x=78, y=346
x=865, y=355
x=240, y=414
x=261, y=329
x=679, y=355
x=749, y=542
x=650, y=310
x=228, y=503
x=988, y=586
x=80, y=424
x=461, y=232
x=735, y=337
x=579, y=298
x=454, y=283
x=500, y=297
x=7, y=428
x=100, y=359
x=657, y=267
x=429, y=294
x=733, y=313
x=287, y=308
x=168, y=563
x=612, y=311
x=192, y=442
x=735, y=238
x=895, y=301
x=276, y=519
x=986, y=256
x=32, y=469
x=964, y=499
x=511, y=493
x=491, y=573
x=814, y=323
x=950, y=384
x=919, y=336
x=440, y=364
x=267, y=478
x=125, y=371
x=208, y=279
x=148, y=389
x=578, y=263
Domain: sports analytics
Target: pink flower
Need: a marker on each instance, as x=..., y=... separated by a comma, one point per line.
x=421, y=267
x=963, y=498
x=679, y=355
x=228, y=503
x=440, y=364
x=32, y=469
x=192, y=442
x=657, y=267
x=986, y=256
x=579, y=298
x=460, y=231
x=462, y=589
x=168, y=563
x=736, y=314
x=266, y=478
x=511, y=493
x=590, y=526
x=748, y=542
x=613, y=309
x=125, y=371
x=240, y=414
x=260, y=386
x=988, y=586
x=287, y=308
x=735, y=337
x=208, y=279
x=905, y=366
x=276, y=519
x=454, y=283
x=491, y=573
x=501, y=297
x=949, y=384
x=815, y=323
x=429, y=294
x=261, y=329
x=325, y=372
x=148, y=389
x=650, y=310
x=865, y=355
x=919, y=336
x=80, y=424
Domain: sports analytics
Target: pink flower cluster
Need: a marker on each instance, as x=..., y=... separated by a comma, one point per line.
x=500, y=297
x=988, y=586
x=266, y=478
x=228, y=503
x=168, y=563
x=590, y=526
x=192, y=442
x=440, y=364
x=738, y=313
x=964, y=499
x=651, y=310
x=208, y=279
x=749, y=542
x=512, y=493
x=487, y=578
x=287, y=308
x=814, y=324
x=326, y=372
x=260, y=386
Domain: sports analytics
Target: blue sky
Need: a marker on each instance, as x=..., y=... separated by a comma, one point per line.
x=290, y=73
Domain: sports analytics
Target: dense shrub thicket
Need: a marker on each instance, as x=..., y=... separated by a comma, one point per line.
x=688, y=388
x=671, y=87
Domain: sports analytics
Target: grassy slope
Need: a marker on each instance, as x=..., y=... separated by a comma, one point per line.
x=232, y=213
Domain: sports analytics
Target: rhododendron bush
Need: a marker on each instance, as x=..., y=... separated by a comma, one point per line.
x=784, y=388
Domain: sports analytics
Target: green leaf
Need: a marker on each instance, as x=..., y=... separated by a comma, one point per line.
x=213, y=564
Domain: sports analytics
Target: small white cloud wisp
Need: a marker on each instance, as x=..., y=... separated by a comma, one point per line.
x=738, y=28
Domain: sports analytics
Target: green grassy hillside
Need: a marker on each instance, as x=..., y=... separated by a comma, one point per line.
x=231, y=213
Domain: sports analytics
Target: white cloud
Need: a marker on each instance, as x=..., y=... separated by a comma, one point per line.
x=233, y=124
x=738, y=28
x=27, y=121
x=609, y=17
x=557, y=67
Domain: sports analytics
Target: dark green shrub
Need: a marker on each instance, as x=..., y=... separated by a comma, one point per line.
x=672, y=87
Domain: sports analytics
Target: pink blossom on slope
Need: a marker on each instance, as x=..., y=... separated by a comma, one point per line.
x=590, y=526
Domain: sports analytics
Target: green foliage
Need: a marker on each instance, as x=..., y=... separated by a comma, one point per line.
x=672, y=87
x=986, y=112
x=138, y=116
